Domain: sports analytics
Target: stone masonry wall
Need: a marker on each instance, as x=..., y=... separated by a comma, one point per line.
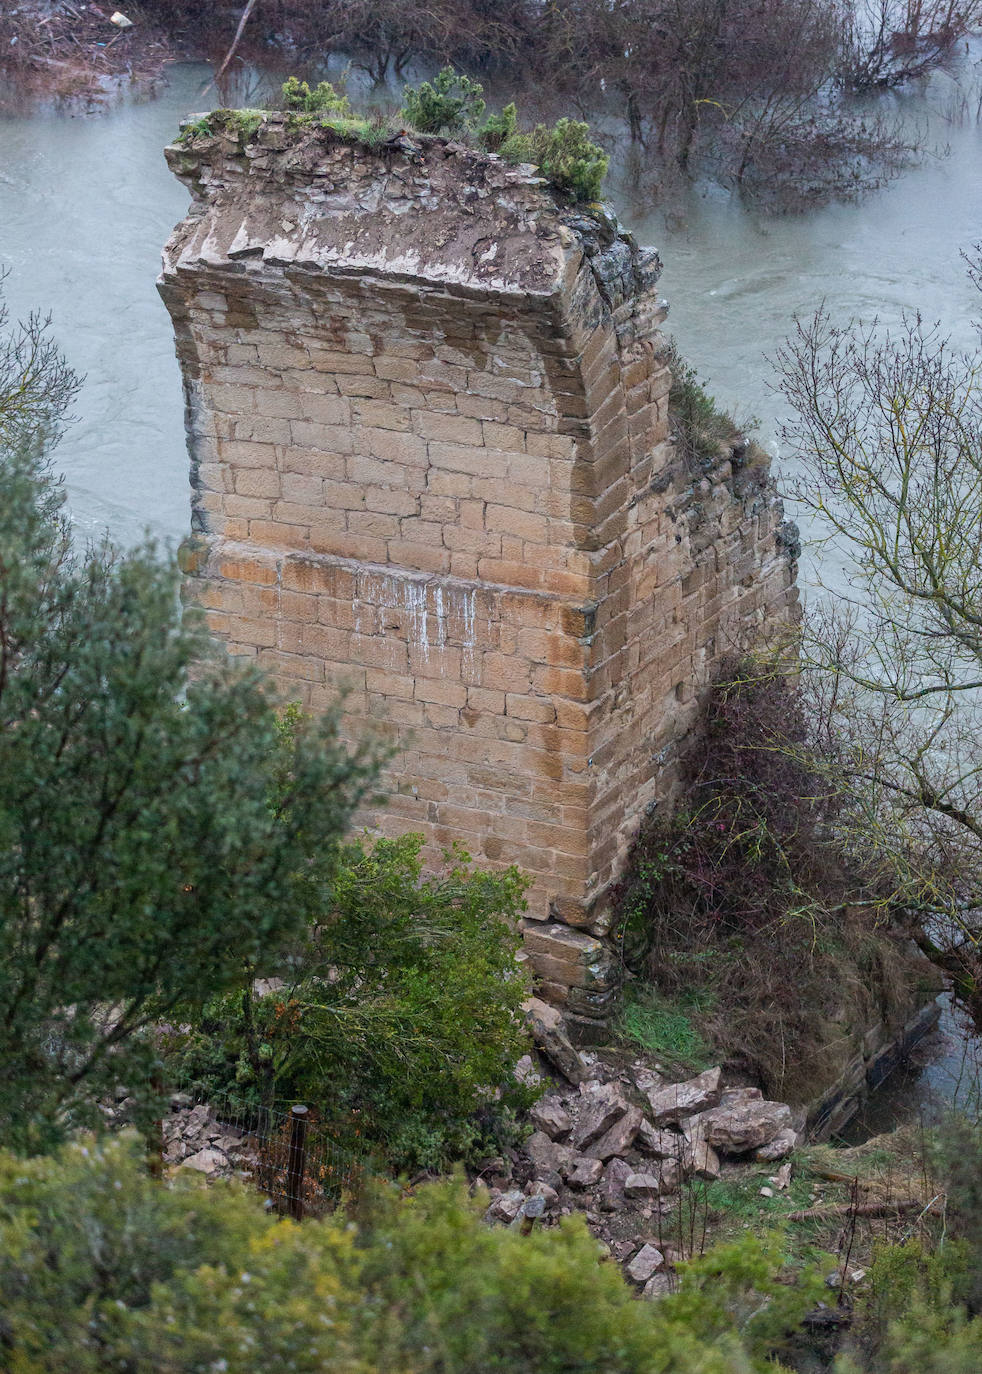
x=427, y=417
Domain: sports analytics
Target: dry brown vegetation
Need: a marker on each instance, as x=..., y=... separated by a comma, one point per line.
x=756, y=93
x=739, y=903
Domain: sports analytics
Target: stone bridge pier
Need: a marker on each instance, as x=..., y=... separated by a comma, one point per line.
x=427, y=412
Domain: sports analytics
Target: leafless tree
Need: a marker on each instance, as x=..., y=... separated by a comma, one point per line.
x=888, y=426
x=889, y=42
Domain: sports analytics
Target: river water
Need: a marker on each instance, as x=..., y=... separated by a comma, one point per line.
x=86, y=201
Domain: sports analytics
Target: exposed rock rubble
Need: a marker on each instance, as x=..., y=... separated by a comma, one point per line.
x=620, y=1144
x=195, y=1138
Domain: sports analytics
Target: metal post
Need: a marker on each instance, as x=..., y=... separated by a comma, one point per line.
x=296, y=1165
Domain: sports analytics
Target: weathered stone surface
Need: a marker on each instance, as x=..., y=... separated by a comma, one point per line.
x=546, y=1155
x=507, y=1207
x=704, y=1162
x=648, y=1261
x=585, y=1172
x=781, y=1145
x=549, y=1034
x=601, y=1106
x=206, y=1161
x=550, y=1116
x=731, y=1096
x=573, y=957
x=610, y=1194
x=675, y=1103
x=619, y=1137
x=744, y=1125
x=643, y=1185
x=427, y=414
x=660, y=1144
x=658, y=1286
x=539, y=1189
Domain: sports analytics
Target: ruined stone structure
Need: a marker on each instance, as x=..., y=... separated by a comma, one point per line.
x=427, y=410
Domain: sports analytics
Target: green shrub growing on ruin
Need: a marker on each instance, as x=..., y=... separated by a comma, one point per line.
x=449, y=104
x=564, y=155
x=702, y=430
x=400, y=1017
x=147, y=850
x=497, y=129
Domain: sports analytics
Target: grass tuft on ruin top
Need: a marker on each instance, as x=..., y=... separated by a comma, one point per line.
x=449, y=106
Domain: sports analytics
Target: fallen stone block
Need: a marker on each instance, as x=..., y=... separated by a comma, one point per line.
x=551, y=1117
x=600, y=1108
x=643, y=1186
x=549, y=1035
x=660, y=1144
x=658, y=1286
x=744, y=1126
x=585, y=1172
x=782, y=1144
x=507, y=1207
x=610, y=1194
x=548, y=1156
x=672, y=1104
x=731, y=1096
x=206, y=1161
x=705, y=1161
x=646, y=1263
x=539, y=1189
x=620, y=1137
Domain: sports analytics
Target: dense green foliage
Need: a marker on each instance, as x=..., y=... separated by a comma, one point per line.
x=154, y=838
x=399, y=1014
x=564, y=155
x=450, y=104
x=103, y=1269
x=323, y=99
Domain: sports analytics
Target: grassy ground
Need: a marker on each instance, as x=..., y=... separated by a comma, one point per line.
x=833, y=1187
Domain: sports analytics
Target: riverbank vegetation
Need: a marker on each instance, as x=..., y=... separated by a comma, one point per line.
x=770, y=98
x=888, y=426
x=744, y=913
x=103, y=1268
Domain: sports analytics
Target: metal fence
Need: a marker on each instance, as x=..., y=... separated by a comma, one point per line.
x=287, y=1153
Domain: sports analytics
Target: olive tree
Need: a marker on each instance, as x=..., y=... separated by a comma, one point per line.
x=157, y=836
x=888, y=427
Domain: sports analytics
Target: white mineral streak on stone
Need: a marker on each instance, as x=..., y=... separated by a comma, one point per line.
x=410, y=595
x=242, y=240
x=441, y=626
x=416, y=606
x=470, y=635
